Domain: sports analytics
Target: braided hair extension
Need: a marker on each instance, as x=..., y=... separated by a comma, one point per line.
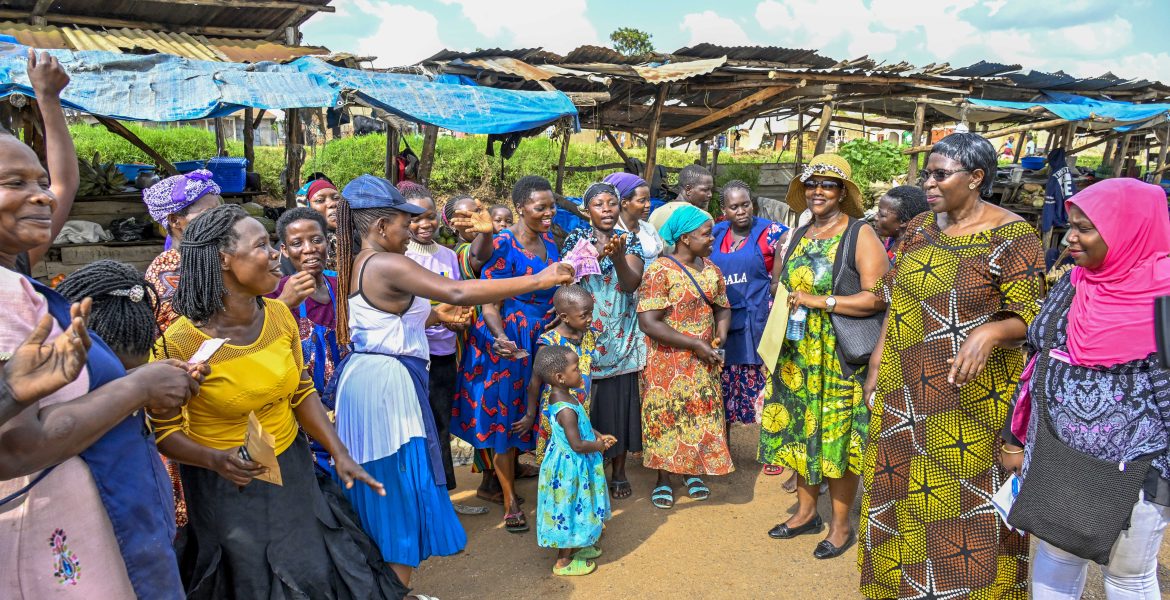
x=448, y=213
x=200, y=292
x=352, y=225
x=124, y=304
x=736, y=184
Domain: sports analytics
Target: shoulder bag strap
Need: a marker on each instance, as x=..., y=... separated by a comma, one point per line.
x=848, y=249
x=691, y=277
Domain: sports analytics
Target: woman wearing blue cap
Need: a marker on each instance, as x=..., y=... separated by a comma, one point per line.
x=383, y=411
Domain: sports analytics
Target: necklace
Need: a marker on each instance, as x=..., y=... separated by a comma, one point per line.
x=816, y=232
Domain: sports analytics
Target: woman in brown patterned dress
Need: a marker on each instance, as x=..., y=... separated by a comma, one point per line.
x=967, y=281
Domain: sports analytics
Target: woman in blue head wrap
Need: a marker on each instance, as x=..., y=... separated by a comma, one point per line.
x=684, y=312
x=634, y=203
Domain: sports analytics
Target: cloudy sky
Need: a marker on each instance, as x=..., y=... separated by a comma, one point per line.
x=1082, y=37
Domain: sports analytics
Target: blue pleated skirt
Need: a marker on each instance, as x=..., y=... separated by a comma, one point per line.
x=415, y=519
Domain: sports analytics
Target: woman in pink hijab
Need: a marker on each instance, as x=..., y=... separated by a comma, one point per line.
x=1094, y=386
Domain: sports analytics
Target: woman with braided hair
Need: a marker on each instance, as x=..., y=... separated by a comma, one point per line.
x=383, y=410
x=253, y=539
x=124, y=305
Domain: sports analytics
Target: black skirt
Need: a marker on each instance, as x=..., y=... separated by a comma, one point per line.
x=617, y=411
x=299, y=540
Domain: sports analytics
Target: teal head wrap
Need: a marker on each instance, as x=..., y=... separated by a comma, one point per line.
x=682, y=220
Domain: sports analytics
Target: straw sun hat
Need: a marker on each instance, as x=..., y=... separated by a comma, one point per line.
x=827, y=165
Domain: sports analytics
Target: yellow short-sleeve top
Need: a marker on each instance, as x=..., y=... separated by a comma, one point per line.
x=265, y=376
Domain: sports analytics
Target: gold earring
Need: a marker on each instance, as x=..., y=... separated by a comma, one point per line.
x=971, y=186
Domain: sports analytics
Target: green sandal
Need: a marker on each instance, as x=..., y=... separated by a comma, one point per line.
x=662, y=497
x=575, y=568
x=696, y=489
x=590, y=553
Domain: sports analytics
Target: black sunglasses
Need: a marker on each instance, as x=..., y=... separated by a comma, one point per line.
x=939, y=175
x=825, y=184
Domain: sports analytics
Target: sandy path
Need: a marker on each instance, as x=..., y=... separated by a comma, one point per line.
x=713, y=549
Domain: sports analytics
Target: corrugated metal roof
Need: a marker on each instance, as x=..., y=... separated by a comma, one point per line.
x=511, y=66
x=983, y=69
x=141, y=41
x=601, y=54
x=776, y=54
x=664, y=73
x=448, y=55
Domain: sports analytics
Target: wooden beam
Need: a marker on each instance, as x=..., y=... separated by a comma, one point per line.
x=919, y=125
x=38, y=12
x=733, y=109
x=1019, y=153
x=703, y=149
x=249, y=139
x=823, y=132
x=1122, y=155
x=716, y=128
x=561, y=160
x=255, y=124
x=1164, y=140
x=426, y=162
x=1070, y=134
x=999, y=133
x=652, y=139
x=799, y=141
x=621, y=152
x=297, y=16
x=120, y=129
x=294, y=155
x=220, y=137
x=1108, y=140
x=587, y=98
x=252, y=4
x=391, y=166
x=604, y=167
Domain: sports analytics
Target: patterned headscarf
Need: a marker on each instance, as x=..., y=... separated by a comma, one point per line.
x=173, y=194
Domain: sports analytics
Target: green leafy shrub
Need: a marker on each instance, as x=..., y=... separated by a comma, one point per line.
x=873, y=161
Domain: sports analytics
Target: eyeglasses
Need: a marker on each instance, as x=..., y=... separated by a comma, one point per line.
x=825, y=184
x=939, y=175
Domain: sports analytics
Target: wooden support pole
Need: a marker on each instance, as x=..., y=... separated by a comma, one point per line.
x=919, y=125
x=652, y=140
x=823, y=132
x=703, y=149
x=1000, y=133
x=220, y=137
x=1107, y=140
x=120, y=129
x=1020, y=141
x=1122, y=155
x=561, y=161
x=799, y=141
x=391, y=166
x=249, y=139
x=1164, y=140
x=294, y=155
x=1070, y=136
x=426, y=162
x=1110, y=147
x=617, y=147
x=714, y=162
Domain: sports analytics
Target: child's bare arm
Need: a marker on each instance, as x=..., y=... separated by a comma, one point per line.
x=533, y=398
x=567, y=418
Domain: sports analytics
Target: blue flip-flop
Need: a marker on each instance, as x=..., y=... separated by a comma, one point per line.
x=662, y=497
x=696, y=489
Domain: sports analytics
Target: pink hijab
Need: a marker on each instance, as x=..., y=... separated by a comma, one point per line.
x=1112, y=316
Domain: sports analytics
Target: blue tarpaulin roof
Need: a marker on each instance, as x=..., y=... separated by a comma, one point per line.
x=1079, y=108
x=162, y=87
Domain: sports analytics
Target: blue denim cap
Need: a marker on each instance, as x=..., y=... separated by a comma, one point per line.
x=368, y=191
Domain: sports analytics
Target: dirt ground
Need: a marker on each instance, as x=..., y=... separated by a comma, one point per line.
x=713, y=549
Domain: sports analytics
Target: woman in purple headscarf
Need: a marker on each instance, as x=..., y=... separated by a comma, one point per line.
x=174, y=202
x=635, y=209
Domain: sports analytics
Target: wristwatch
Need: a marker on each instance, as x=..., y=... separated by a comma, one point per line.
x=830, y=304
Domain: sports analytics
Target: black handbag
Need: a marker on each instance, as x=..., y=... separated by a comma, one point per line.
x=1057, y=502
x=856, y=336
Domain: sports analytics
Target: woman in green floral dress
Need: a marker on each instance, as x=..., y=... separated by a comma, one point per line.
x=814, y=420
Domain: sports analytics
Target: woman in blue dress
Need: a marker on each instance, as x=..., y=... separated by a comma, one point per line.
x=491, y=397
x=383, y=406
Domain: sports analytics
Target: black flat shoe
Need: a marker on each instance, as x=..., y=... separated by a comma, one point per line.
x=783, y=531
x=826, y=550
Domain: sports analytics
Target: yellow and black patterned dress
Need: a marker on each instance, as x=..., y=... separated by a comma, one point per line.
x=928, y=528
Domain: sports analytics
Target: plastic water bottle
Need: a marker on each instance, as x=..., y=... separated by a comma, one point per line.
x=797, y=323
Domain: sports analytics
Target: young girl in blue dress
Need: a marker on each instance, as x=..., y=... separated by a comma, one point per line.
x=572, y=503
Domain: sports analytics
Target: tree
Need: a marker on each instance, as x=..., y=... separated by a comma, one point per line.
x=631, y=42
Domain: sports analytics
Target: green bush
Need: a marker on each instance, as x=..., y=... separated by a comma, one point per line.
x=873, y=161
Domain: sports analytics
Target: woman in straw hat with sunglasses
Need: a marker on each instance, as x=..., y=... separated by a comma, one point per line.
x=814, y=419
x=968, y=279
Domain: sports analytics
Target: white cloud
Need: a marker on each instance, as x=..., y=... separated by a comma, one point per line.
x=711, y=28
x=530, y=23
x=404, y=36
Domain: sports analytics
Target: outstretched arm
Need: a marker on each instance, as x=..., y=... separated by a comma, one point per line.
x=394, y=274
x=48, y=79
